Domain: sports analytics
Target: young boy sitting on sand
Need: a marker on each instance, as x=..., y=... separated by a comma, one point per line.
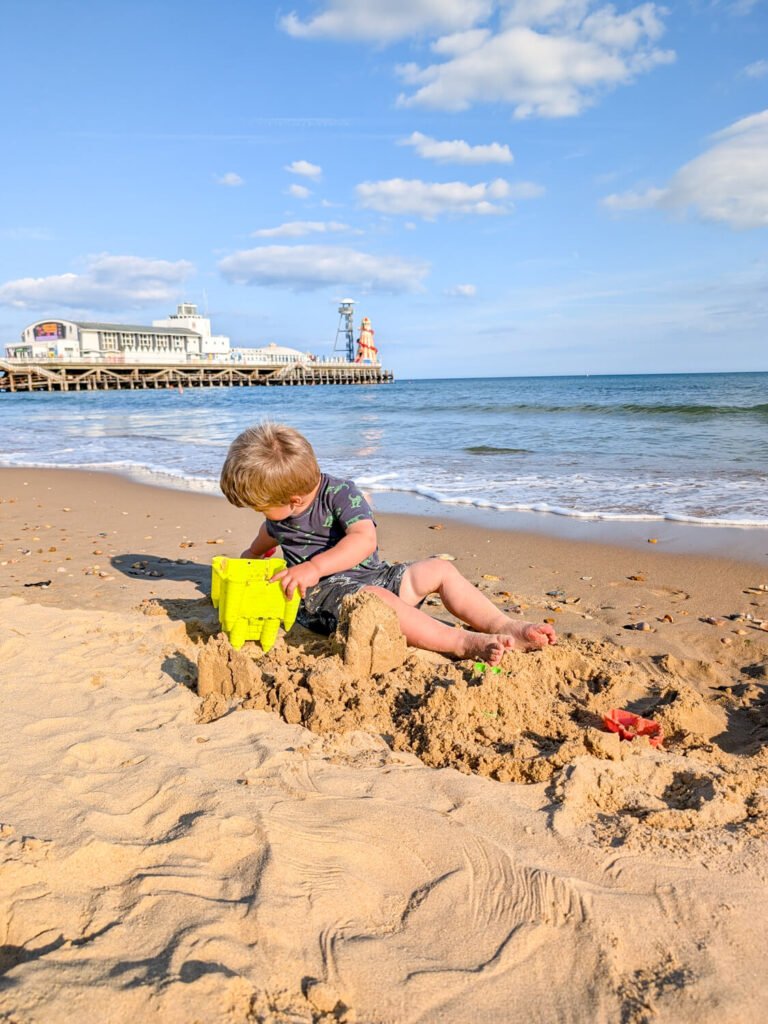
x=327, y=533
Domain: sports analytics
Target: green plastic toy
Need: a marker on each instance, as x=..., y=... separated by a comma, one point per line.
x=250, y=607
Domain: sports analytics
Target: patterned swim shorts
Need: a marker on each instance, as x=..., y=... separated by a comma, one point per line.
x=320, y=609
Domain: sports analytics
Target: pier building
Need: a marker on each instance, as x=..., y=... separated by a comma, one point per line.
x=180, y=351
x=184, y=336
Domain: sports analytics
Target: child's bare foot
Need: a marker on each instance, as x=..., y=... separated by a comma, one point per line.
x=487, y=647
x=529, y=636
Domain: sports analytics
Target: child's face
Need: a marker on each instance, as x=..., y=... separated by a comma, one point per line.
x=298, y=503
x=277, y=512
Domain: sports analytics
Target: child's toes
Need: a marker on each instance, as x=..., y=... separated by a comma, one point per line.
x=538, y=636
x=495, y=653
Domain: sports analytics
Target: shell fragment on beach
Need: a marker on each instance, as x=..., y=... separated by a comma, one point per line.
x=446, y=557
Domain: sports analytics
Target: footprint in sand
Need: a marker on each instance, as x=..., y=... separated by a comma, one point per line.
x=101, y=754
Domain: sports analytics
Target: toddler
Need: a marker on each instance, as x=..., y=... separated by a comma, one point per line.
x=327, y=533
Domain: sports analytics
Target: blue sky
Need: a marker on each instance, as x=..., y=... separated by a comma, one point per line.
x=503, y=186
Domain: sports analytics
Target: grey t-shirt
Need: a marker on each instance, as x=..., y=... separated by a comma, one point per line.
x=338, y=505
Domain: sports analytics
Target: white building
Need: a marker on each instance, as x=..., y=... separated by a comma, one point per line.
x=184, y=336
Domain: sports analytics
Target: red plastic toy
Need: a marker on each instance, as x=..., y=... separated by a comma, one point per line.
x=628, y=726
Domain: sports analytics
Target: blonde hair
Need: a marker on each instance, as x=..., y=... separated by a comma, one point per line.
x=268, y=465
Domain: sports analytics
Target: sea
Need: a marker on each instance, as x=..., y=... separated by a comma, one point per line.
x=683, y=447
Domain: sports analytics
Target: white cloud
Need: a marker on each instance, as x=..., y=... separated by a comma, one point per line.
x=108, y=282
x=230, y=179
x=304, y=168
x=298, y=191
x=634, y=200
x=463, y=291
x=758, y=69
x=429, y=199
x=457, y=151
x=545, y=58
x=549, y=59
x=308, y=267
x=727, y=184
x=384, y=22
x=297, y=228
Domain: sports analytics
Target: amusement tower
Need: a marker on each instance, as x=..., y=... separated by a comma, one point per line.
x=364, y=351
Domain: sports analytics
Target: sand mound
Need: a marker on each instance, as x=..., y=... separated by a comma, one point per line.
x=538, y=714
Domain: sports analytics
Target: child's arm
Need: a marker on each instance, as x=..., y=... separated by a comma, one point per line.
x=261, y=545
x=358, y=543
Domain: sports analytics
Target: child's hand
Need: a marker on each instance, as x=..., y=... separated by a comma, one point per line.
x=301, y=576
x=248, y=553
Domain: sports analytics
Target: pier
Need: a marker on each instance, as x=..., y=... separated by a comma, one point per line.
x=28, y=375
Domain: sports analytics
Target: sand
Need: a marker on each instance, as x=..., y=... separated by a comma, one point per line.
x=346, y=829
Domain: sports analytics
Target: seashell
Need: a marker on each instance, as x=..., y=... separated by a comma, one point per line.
x=490, y=576
x=446, y=557
x=642, y=627
x=653, y=540
x=711, y=620
x=437, y=526
x=726, y=641
x=638, y=577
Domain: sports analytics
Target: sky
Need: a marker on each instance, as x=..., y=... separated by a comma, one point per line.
x=504, y=187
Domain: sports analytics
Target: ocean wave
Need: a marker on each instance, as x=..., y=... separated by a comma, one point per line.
x=489, y=449
x=179, y=479
x=691, y=411
x=571, y=513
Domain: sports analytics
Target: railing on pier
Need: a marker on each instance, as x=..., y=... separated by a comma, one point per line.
x=59, y=375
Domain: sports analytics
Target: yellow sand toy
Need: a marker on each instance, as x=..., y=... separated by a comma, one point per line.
x=250, y=607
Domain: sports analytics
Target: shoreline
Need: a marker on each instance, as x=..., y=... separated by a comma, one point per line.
x=102, y=540
x=740, y=543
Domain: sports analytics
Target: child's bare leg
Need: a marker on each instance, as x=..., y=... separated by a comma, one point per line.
x=466, y=602
x=421, y=630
